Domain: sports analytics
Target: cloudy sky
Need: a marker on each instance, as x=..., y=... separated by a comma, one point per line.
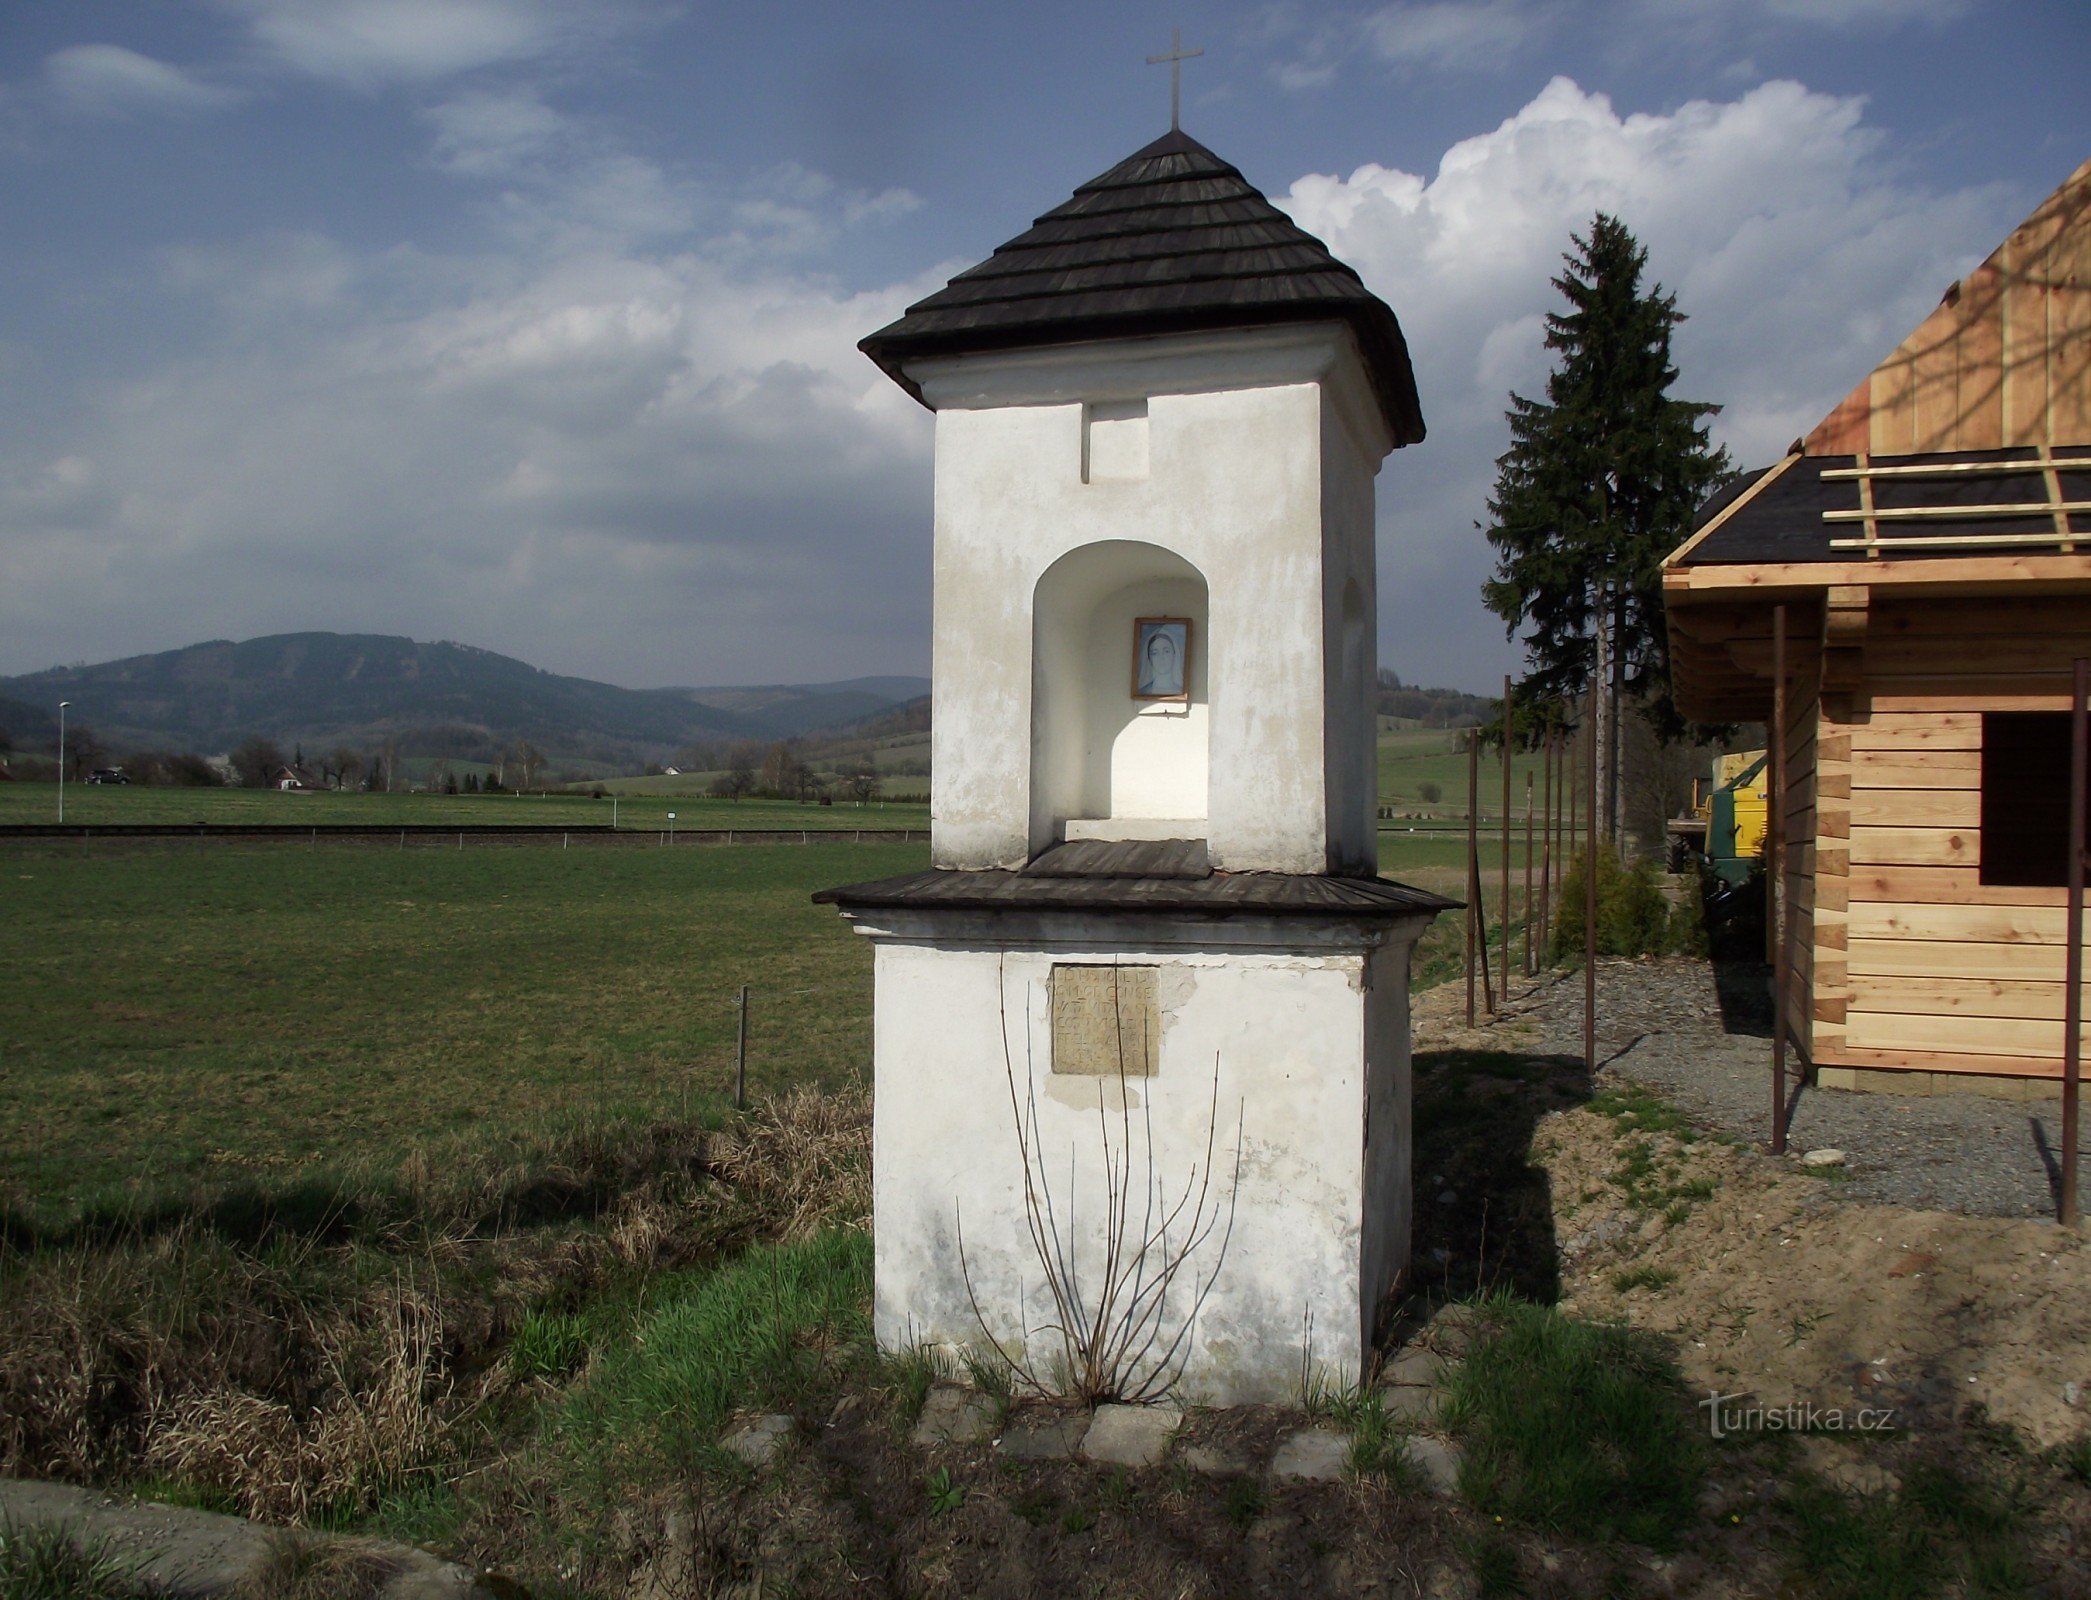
x=531, y=323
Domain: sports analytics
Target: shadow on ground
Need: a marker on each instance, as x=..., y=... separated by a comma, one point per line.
x=1484, y=1210
x=1742, y=981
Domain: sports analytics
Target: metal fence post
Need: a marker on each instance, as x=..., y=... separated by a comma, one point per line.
x=1590, y=907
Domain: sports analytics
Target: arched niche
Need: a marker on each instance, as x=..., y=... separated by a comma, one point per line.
x=1104, y=763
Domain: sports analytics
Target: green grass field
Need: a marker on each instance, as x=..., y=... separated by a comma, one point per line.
x=1415, y=760
x=204, y=1013
x=178, y=1014
x=644, y=812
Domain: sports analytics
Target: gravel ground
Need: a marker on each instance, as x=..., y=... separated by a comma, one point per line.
x=1704, y=1044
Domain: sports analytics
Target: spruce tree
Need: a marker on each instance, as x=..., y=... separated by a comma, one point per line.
x=1601, y=482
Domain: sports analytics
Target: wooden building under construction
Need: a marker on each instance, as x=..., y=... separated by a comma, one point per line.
x=1930, y=543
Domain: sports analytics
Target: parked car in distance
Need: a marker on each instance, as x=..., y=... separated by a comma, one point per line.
x=108, y=775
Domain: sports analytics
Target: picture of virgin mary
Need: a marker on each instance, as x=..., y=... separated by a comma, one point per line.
x=1161, y=658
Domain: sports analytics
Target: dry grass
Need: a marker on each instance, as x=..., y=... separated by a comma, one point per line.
x=805, y=1157
x=299, y=1566
x=300, y=1375
x=381, y=1424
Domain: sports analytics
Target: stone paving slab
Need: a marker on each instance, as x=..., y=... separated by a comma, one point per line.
x=1130, y=1436
x=1213, y=1461
x=758, y=1440
x=954, y=1414
x=202, y=1555
x=1415, y=1366
x=1437, y=1460
x=1054, y=1436
x=1312, y=1455
x=1410, y=1403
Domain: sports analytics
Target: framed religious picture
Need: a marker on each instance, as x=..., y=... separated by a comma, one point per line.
x=1161, y=658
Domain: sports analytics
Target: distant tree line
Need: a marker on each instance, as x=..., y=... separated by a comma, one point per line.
x=259, y=762
x=1433, y=708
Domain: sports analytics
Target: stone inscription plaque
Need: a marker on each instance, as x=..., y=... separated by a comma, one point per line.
x=1106, y=1020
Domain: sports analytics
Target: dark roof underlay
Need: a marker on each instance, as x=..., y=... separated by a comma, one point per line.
x=1171, y=240
x=1784, y=524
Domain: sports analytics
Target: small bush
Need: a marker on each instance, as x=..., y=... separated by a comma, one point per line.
x=1633, y=917
x=1576, y=1428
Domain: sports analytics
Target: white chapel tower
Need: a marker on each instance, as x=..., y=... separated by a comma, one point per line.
x=1153, y=957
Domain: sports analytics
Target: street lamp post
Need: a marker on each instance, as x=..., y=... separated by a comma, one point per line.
x=61, y=758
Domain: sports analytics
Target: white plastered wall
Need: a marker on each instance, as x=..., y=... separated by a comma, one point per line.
x=1350, y=655
x=1296, y=1034
x=1238, y=479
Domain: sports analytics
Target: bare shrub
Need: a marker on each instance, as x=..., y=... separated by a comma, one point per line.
x=1123, y=1331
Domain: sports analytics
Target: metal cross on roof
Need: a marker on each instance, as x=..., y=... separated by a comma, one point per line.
x=1176, y=57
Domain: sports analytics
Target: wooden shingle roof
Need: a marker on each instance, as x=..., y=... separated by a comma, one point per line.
x=1219, y=894
x=1171, y=240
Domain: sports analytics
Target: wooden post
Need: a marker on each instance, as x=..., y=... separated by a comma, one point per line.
x=2073, y=930
x=1546, y=846
x=1473, y=863
x=1590, y=914
x=1775, y=871
x=740, y=1057
x=1530, y=968
x=1504, y=903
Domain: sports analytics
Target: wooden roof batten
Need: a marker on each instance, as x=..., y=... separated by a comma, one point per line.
x=2052, y=508
x=1171, y=240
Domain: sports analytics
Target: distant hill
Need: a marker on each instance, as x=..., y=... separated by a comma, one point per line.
x=447, y=700
x=792, y=709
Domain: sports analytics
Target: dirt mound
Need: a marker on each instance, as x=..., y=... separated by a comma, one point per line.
x=1767, y=1282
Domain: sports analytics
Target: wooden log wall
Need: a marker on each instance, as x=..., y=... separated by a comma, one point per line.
x=1929, y=968
x=1805, y=916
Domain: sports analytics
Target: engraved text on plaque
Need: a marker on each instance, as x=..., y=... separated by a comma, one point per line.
x=1106, y=1020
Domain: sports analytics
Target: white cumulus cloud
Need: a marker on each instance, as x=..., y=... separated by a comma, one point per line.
x=632, y=437
x=1449, y=38
x=109, y=80
x=369, y=44
x=1795, y=244
x=1455, y=34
